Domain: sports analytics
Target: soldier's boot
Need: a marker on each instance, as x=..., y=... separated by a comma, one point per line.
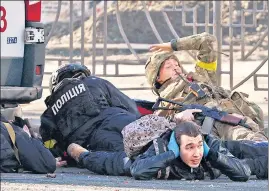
x=74, y=150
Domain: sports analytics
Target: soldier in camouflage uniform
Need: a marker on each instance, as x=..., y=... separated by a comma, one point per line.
x=163, y=69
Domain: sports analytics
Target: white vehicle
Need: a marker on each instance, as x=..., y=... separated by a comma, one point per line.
x=22, y=54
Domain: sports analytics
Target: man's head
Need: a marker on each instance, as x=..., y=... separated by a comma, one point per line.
x=169, y=70
x=72, y=70
x=190, y=141
x=161, y=67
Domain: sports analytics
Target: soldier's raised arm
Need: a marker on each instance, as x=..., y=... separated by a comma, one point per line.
x=205, y=43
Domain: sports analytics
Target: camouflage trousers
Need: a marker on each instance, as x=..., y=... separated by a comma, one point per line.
x=227, y=132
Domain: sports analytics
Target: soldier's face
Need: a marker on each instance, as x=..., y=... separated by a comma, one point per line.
x=169, y=70
x=191, y=150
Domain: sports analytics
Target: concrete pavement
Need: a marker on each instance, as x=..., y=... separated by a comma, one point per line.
x=68, y=179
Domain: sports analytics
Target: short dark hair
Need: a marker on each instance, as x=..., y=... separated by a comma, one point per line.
x=188, y=128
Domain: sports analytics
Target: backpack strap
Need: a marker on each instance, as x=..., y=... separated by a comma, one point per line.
x=160, y=147
x=12, y=136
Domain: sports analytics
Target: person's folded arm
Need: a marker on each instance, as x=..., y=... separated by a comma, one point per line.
x=220, y=158
x=147, y=165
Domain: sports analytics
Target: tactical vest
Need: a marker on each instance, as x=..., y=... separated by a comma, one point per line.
x=72, y=105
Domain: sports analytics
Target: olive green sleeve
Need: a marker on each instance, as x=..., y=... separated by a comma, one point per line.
x=205, y=43
x=206, y=63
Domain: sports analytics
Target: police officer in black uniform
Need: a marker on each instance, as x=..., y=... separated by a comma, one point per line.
x=88, y=111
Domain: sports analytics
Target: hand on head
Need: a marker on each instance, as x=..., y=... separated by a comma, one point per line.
x=186, y=115
x=161, y=47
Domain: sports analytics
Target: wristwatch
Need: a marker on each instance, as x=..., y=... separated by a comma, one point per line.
x=174, y=44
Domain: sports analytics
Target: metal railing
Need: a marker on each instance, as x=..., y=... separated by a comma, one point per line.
x=100, y=10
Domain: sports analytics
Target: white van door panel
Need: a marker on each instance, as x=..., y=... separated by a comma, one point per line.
x=12, y=29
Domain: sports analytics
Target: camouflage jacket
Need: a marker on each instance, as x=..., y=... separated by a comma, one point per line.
x=205, y=69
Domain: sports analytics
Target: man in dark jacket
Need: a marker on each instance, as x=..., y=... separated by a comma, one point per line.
x=185, y=154
x=236, y=159
x=20, y=151
x=88, y=111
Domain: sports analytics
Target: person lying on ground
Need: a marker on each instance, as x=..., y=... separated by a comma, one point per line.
x=89, y=111
x=20, y=151
x=86, y=110
x=185, y=153
x=236, y=159
x=168, y=79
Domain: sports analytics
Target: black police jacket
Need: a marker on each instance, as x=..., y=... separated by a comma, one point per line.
x=164, y=165
x=78, y=106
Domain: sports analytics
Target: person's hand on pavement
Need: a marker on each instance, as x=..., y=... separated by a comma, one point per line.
x=60, y=162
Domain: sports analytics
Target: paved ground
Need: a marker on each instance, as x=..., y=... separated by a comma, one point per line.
x=81, y=179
